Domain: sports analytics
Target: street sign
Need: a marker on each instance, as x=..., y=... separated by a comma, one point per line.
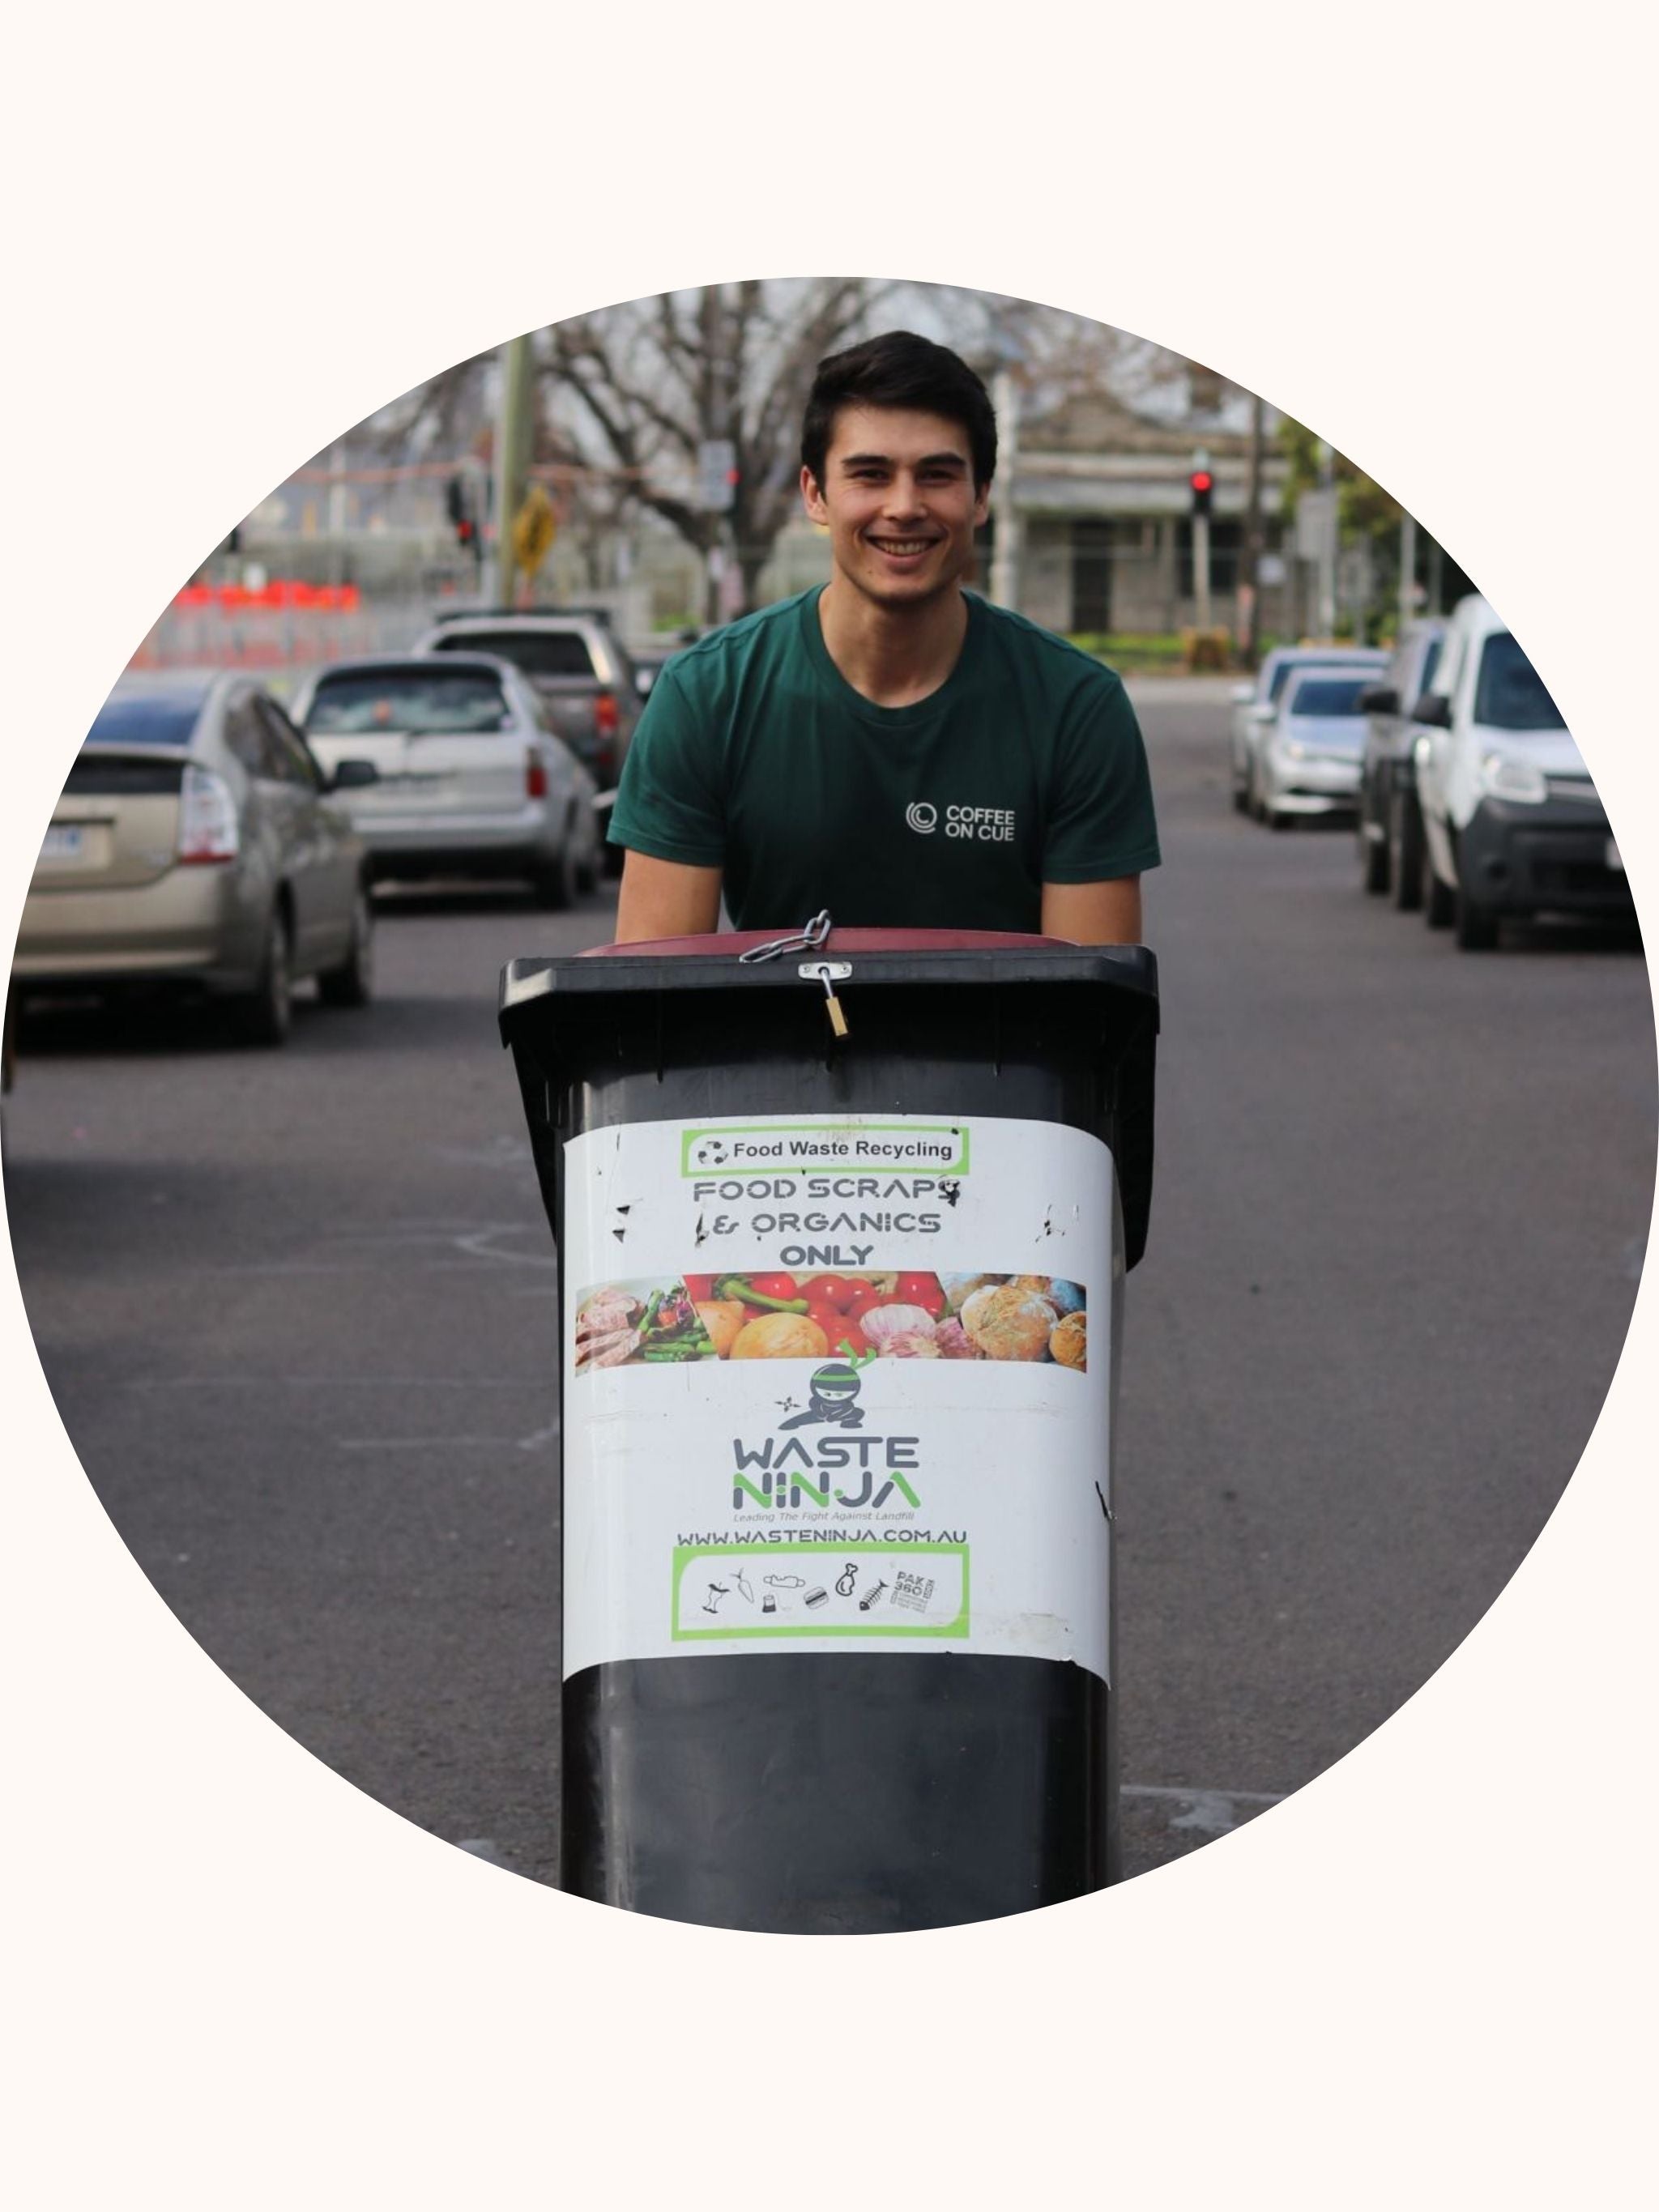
x=1315, y=525
x=717, y=461
x=534, y=528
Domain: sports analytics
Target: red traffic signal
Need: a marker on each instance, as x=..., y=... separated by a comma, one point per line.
x=1202, y=484
x=458, y=508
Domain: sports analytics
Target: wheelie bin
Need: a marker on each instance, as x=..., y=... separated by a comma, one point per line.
x=842, y=1226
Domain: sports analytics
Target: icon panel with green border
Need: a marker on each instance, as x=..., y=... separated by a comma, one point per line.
x=734, y=1617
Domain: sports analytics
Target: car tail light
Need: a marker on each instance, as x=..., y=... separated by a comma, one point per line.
x=535, y=774
x=605, y=722
x=207, y=817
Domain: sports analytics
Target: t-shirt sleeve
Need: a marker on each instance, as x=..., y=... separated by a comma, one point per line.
x=1101, y=823
x=670, y=802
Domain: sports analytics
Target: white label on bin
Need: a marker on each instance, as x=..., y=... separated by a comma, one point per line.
x=830, y=1383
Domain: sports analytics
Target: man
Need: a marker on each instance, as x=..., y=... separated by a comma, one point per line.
x=886, y=745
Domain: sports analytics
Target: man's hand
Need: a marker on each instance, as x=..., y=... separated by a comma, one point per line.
x=661, y=898
x=1093, y=914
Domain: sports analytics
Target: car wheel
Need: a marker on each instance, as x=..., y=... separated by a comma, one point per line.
x=554, y=886
x=1275, y=820
x=266, y=1013
x=1439, y=900
x=352, y=984
x=1405, y=851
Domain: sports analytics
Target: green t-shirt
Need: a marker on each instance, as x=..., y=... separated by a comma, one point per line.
x=757, y=756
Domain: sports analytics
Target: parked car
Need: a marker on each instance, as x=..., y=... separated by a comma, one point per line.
x=1255, y=704
x=1512, y=824
x=472, y=778
x=199, y=843
x=1310, y=752
x=581, y=673
x=1391, y=829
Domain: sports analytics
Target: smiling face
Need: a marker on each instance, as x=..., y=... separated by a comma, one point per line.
x=899, y=502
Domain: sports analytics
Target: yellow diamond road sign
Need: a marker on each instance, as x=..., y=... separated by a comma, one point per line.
x=534, y=528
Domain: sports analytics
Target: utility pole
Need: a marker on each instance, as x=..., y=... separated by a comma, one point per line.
x=337, y=515
x=718, y=412
x=1005, y=546
x=1408, y=570
x=512, y=459
x=1248, y=631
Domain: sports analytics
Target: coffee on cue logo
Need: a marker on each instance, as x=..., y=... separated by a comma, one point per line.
x=983, y=825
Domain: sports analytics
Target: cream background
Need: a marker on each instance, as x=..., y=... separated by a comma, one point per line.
x=233, y=1980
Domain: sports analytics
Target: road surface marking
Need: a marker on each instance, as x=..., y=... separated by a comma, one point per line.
x=1213, y=1812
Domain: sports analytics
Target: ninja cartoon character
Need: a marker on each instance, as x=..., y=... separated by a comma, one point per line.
x=835, y=1391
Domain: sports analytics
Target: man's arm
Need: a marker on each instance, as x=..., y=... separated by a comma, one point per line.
x=664, y=898
x=1092, y=913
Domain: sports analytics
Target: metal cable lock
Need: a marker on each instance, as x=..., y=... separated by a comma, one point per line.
x=825, y=973
x=809, y=940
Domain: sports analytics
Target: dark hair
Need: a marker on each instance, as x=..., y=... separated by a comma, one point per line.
x=899, y=370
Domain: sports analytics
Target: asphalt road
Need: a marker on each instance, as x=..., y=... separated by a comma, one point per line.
x=297, y=1312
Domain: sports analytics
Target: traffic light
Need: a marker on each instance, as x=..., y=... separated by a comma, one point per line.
x=1202, y=485
x=456, y=505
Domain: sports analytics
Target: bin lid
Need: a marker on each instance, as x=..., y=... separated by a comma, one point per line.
x=941, y=956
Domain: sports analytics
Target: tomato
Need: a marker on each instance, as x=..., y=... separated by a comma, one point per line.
x=862, y=1298
x=923, y=1291
x=699, y=1289
x=843, y=1333
x=828, y=1290
x=774, y=1286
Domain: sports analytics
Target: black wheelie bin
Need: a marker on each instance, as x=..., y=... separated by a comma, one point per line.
x=842, y=1229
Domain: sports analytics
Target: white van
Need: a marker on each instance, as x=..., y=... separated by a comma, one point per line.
x=1512, y=824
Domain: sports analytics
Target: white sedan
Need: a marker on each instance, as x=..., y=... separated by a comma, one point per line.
x=1312, y=752
x=1256, y=706
x=472, y=778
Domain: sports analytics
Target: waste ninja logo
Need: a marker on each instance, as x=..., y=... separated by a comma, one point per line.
x=777, y=1474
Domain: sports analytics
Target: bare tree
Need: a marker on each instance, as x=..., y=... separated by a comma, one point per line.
x=627, y=394
x=632, y=391
x=446, y=416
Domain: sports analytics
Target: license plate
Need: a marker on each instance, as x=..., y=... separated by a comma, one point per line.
x=62, y=841
x=1613, y=859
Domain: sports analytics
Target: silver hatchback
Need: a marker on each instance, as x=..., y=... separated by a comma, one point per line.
x=472, y=778
x=197, y=842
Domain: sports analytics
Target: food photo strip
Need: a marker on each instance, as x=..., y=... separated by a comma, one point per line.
x=877, y=1314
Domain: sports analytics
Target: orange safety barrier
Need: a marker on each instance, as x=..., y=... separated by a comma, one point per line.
x=280, y=593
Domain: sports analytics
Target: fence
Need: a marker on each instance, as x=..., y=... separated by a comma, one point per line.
x=284, y=624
